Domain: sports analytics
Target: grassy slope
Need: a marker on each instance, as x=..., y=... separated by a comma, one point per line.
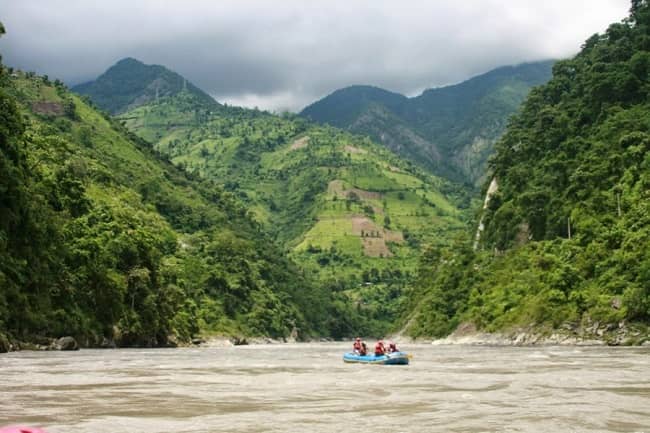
x=297, y=178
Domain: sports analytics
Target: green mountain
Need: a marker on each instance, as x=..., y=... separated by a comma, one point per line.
x=566, y=230
x=103, y=239
x=139, y=84
x=349, y=212
x=451, y=129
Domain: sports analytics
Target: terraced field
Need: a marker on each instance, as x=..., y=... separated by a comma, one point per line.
x=339, y=203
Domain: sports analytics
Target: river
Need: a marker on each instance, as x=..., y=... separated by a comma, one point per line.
x=307, y=388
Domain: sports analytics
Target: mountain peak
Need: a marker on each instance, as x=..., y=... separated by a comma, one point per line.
x=130, y=83
x=343, y=106
x=128, y=61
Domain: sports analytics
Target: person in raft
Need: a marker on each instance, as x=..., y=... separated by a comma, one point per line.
x=359, y=347
x=356, y=346
x=392, y=347
x=380, y=349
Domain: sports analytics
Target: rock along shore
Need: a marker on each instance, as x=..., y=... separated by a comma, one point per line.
x=594, y=334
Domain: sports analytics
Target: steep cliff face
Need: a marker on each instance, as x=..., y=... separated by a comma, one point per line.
x=493, y=188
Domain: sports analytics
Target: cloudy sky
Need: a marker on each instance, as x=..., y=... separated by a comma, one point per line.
x=285, y=54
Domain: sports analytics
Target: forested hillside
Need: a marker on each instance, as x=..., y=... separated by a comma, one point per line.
x=101, y=239
x=566, y=240
x=349, y=212
x=450, y=129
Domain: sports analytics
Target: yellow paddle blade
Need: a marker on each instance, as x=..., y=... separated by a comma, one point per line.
x=409, y=356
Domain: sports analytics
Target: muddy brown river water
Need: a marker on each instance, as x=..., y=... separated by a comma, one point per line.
x=307, y=388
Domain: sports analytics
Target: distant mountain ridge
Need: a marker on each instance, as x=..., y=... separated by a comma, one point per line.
x=139, y=84
x=450, y=129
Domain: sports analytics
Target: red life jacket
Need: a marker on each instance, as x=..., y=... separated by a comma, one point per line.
x=379, y=348
x=392, y=347
x=356, y=346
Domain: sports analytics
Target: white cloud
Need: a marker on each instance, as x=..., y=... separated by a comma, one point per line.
x=277, y=102
x=286, y=54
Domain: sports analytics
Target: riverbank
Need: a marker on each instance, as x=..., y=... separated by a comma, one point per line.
x=594, y=334
x=8, y=344
x=41, y=343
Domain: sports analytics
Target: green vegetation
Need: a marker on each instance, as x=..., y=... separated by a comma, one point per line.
x=451, y=129
x=101, y=239
x=567, y=235
x=181, y=216
x=342, y=207
x=139, y=84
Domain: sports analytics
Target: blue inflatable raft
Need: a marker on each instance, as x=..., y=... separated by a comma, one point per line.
x=395, y=358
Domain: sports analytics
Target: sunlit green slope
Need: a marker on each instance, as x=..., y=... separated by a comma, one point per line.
x=341, y=204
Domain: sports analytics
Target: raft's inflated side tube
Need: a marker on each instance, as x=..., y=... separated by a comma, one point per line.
x=20, y=429
x=396, y=358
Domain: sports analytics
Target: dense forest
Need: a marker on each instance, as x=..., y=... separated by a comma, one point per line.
x=102, y=239
x=566, y=239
